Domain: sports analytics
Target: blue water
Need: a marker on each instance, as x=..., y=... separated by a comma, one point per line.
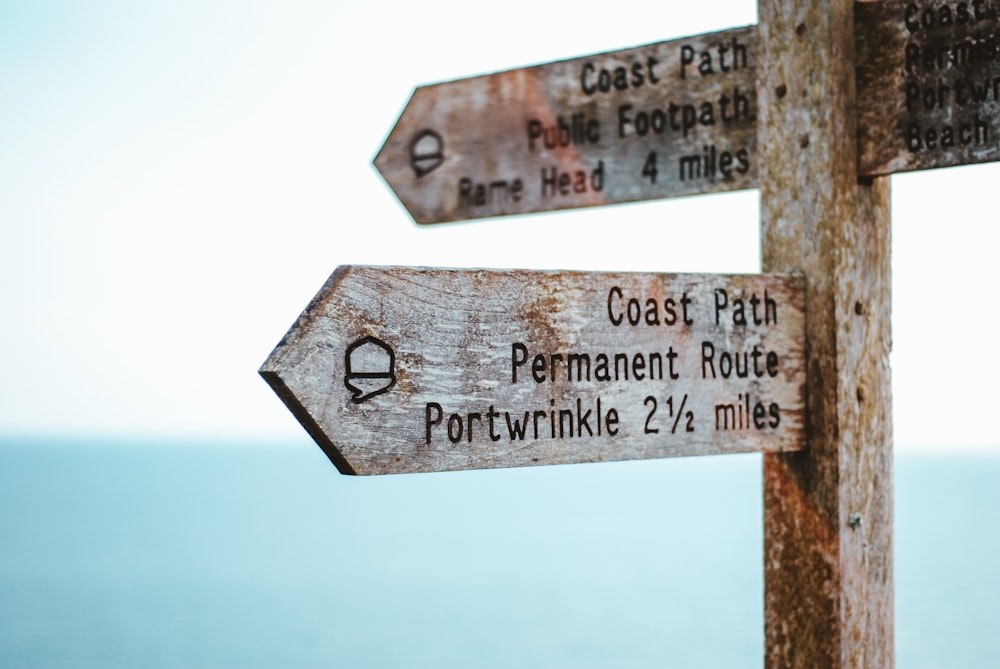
x=221, y=555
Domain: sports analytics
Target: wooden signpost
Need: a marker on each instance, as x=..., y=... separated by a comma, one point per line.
x=828, y=580
x=666, y=119
x=405, y=370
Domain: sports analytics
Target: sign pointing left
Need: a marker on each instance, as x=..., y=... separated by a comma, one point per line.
x=412, y=370
x=661, y=120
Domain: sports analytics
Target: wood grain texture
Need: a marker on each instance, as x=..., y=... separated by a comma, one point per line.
x=511, y=368
x=662, y=120
x=828, y=509
x=927, y=77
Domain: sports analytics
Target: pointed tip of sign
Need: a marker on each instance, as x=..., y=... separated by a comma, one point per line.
x=383, y=159
x=378, y=160
x=414, y=215
x=273, y=379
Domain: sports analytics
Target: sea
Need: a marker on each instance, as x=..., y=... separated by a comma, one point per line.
x=154, y=554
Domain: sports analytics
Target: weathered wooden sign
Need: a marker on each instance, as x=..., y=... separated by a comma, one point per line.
x=668, y=119
x=928, y=79
x=406, y=370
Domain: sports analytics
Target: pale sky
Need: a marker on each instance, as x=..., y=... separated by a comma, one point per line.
x=179, y=179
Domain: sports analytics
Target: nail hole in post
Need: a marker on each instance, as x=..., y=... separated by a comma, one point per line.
x=800, y=30
x=781, y=91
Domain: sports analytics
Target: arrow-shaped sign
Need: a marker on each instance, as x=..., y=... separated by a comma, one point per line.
x=406, y=370
x=668, y=119
x=928, y=84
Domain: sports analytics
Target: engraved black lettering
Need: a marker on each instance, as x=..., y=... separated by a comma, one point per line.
x=613, y=294
x=711, y=163
x=671, y=358
x=669, y=311
x=725, y=415
x=922, y=137
x=621, y=366
x=705, y=64
x=772, y=364
x=585, y=84
x=538, y=368
x=516, y=428
x=493, y=414
x=498, y=192
x=742, y=364
x=519, y=356
x=473, y=416
x=583, y=419
x=633, y=311
x=455, y=427
x=619, y=78
x=707, y=359
x=770, y=309
x=582, y=367
x=656, y=365
x=652, y=312
x=430, y=420
x=556, y=183
x=610, y=421
x=638, y=367
x=581, y=360
x=721, y=303
x=560, y=133
x=601, y=370
x=565, y=416
x=650, y=401
x=535, y=416
x=687, y=58
x=739, y=312
x=746, y=414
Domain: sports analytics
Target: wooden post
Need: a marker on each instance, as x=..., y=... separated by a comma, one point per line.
x=827, y=510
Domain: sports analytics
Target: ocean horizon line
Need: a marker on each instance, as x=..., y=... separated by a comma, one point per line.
x=16, y=437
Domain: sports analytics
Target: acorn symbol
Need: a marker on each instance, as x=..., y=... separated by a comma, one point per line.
x=370, y=368
x=426, y=152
